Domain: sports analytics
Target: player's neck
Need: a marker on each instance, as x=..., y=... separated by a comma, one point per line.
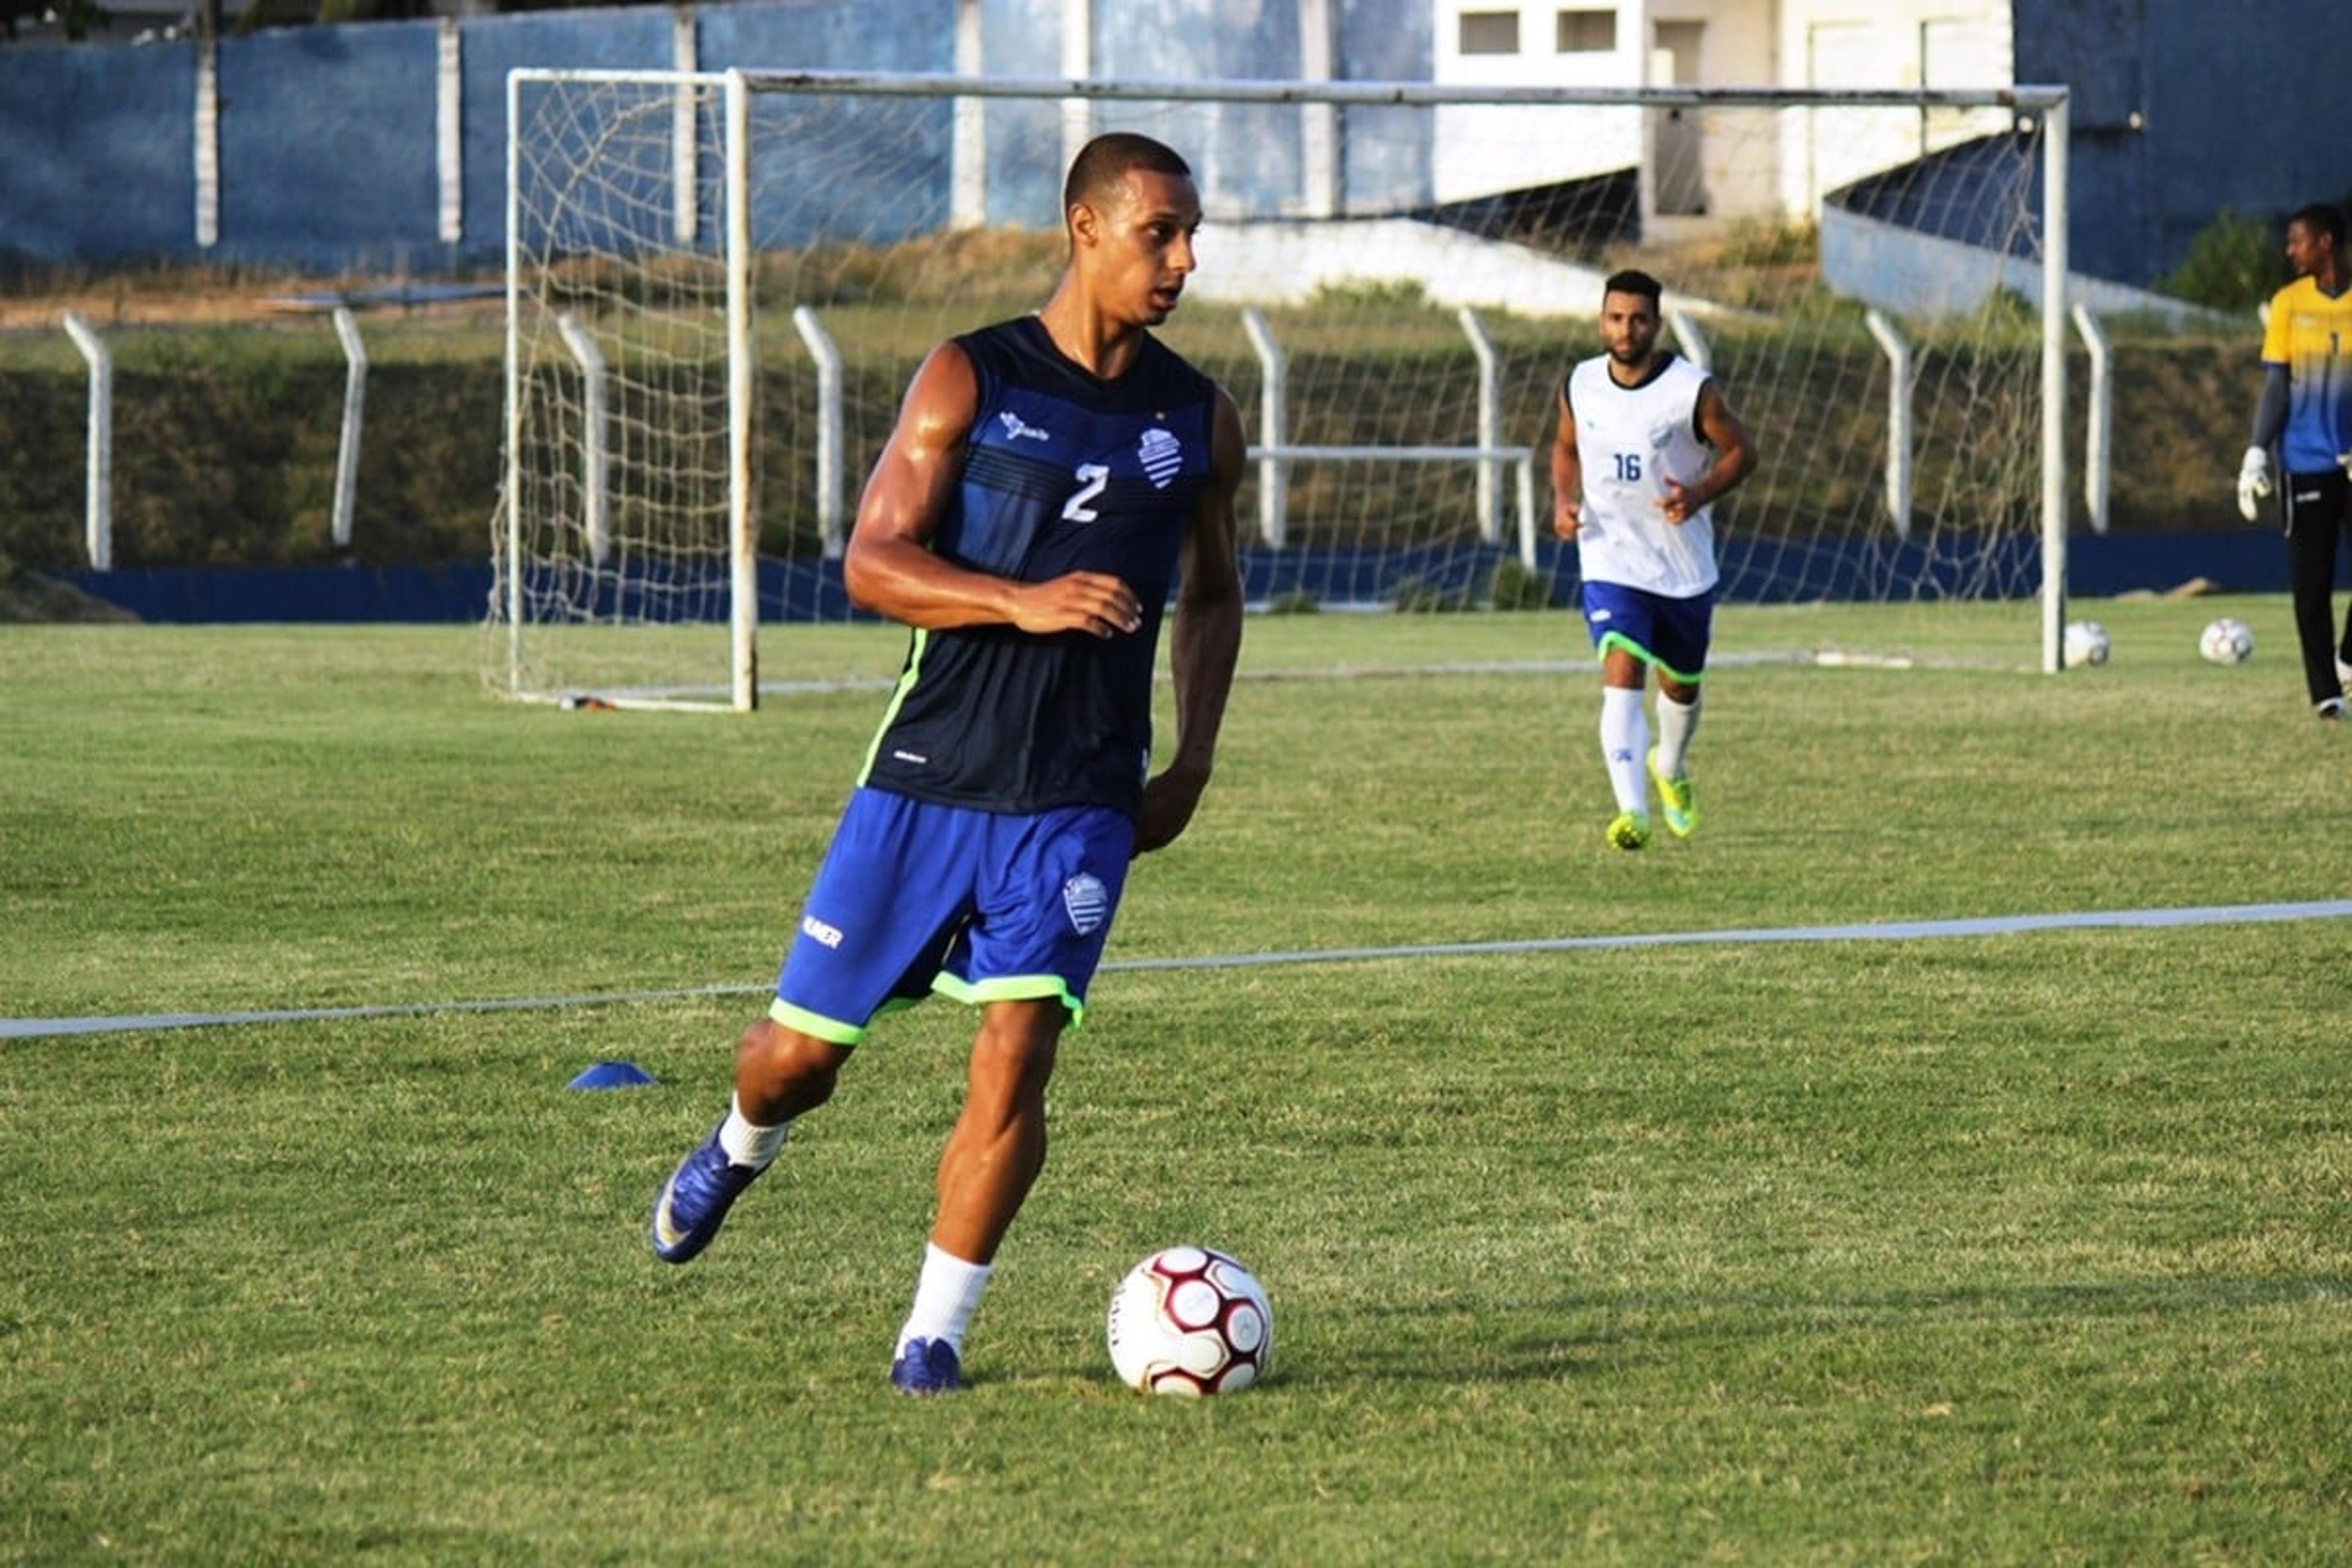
x=1086, y=337
x=1625, y=374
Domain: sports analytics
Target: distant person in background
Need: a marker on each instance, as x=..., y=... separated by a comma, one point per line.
x=1647, y=442
x=2305, y=409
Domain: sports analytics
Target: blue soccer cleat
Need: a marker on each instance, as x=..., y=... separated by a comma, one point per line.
x=704, y=1186
x=927, y=1366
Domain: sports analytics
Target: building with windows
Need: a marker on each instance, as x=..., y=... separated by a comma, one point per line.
x=2179, y=108
x=1684, y=173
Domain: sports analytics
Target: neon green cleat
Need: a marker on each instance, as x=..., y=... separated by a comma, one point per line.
x=1630, y=830
x=1675, y=794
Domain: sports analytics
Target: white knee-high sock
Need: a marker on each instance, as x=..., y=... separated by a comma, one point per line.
x=1677, y=722
x=945, y=1296
x=1624, y=737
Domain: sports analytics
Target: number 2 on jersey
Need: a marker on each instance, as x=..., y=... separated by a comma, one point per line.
x=1092, y=477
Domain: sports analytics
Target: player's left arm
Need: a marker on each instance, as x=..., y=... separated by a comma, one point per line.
x=1204, y=638
x=1734, y=456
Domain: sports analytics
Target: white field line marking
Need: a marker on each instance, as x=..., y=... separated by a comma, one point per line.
x=1898, y=931
x=701, y=697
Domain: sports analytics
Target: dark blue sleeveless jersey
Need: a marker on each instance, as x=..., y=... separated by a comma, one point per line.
x=1063, y=472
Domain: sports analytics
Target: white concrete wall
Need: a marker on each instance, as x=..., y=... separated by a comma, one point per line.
x=1885, y=44
x=1755, y=164
x=1286, y=263
x=1914, y=274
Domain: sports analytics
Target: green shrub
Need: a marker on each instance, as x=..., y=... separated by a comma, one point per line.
x=1754, y=243
x=1372, y=294
x=2233, y=265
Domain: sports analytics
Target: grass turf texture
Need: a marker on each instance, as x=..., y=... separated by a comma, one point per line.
x=2005, y=1248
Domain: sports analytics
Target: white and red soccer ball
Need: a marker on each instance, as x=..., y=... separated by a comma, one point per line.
x=1190, y=1322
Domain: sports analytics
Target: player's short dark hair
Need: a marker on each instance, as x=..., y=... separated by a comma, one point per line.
x=2321, y=218
x=1633, y=281
x=1104, y=162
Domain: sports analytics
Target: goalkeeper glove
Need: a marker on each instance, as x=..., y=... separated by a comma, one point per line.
x=2254, y=482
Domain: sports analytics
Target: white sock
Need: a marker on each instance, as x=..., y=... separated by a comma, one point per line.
x=944, y=1298
x=1677, y=722
x=748, y=1143
x=1624, y=737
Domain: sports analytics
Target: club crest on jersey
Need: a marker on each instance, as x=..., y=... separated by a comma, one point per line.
x=1015, y=430
x=1087, y=901
x=1163, y=455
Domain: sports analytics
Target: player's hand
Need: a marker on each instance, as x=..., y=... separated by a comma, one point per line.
x=1170, y=798
x=2254, y=482
x=1678, y=503
x=1565, y=518
x=1092, y=602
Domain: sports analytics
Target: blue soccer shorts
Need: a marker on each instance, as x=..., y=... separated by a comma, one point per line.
x=1671, y=634
x=914, y=896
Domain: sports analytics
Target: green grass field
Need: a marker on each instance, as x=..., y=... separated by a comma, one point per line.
x=2030, y=1247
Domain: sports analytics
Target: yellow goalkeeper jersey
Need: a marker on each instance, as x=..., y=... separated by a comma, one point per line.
x=2311, y=335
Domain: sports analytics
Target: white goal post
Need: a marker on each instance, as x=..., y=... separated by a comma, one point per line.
x=718, y=283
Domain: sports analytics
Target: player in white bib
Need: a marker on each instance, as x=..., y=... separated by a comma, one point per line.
x=1648, y=443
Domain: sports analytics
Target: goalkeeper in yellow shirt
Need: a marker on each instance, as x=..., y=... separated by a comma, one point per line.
x=2307, y=410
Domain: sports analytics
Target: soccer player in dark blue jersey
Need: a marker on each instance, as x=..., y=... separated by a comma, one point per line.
x=1051, y=482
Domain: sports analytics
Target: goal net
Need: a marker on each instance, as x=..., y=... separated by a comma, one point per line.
x=719, y=284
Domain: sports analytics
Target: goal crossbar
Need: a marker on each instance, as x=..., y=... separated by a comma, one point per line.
x=1400, y=94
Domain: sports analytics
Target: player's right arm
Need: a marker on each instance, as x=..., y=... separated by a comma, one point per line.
x=2270, y=412
x=890, y=567
x=2270, y=419
x=1567, y=472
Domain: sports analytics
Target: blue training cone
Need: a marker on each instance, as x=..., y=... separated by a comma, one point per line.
x=612, y=1075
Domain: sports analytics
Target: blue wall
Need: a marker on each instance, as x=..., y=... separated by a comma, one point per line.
x=2238, y=105
x=2097, y=567
x=328, y=132
x=630, y=39
x=328, y=153
x=308, y=173
x=97, y=158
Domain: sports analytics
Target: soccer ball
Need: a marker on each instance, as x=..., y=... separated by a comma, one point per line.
x=1190, y=1322
x=2226, y=641
x=2086, y=643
